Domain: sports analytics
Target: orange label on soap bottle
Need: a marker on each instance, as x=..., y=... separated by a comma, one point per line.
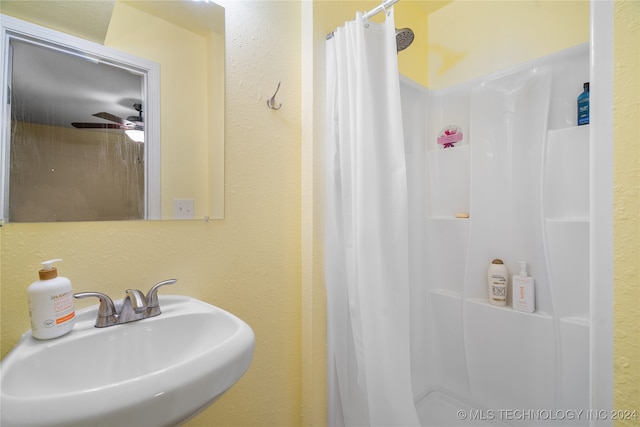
x=65, y=318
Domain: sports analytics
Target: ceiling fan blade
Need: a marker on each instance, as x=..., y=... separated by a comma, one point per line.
x=96, y=125
x=110, y=117
x=125, y=123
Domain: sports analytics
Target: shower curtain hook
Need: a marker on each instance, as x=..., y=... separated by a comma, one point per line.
x=271, y=103
x=384, y=8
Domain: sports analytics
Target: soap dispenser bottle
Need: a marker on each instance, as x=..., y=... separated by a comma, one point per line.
x=497, y=278
x=523, y=290
x=51, y=303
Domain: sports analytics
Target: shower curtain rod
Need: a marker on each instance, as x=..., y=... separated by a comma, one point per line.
x=372, y=12
x=380, y=8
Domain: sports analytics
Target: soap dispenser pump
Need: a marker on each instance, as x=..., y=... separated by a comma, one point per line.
x=523, y=290
x=51, y=303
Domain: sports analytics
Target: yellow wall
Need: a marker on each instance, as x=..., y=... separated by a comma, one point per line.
x=626, y=162
x=183, y=116
x=469, y=39
x=412, y=62
x=88, y=19
x=248, y=263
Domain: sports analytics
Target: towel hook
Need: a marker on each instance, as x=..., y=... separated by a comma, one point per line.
x=271, y=103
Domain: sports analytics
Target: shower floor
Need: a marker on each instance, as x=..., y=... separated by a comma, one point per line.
x=438, y=409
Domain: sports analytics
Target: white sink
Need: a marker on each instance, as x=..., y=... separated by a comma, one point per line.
x=159, y=371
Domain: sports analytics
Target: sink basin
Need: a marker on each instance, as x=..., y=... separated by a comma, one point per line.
x=159, y=371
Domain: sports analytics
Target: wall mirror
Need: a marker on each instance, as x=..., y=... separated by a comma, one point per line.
x=157, y=70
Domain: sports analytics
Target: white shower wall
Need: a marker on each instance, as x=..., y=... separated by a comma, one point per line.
x=521, y=172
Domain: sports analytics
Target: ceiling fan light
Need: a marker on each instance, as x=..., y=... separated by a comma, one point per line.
x=135, y=135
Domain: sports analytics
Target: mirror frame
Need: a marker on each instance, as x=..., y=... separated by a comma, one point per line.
x=12, y=28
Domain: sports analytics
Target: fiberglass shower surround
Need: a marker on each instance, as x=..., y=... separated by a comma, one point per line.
x=521, y=172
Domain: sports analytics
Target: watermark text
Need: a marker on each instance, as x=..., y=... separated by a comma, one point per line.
x=547, y=414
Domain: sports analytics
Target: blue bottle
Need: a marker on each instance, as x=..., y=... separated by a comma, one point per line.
x=583, y=106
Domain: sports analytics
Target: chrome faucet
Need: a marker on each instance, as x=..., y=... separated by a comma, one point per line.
x=135, y=306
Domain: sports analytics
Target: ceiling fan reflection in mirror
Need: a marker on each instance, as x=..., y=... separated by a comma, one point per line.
x=132, y=125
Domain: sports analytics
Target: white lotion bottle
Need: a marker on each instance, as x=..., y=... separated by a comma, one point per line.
x=497, y=279
x=51, y=304
x=523, y=290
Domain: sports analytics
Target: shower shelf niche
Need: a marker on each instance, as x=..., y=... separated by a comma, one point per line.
x=485, y=302
x=566, y=212
x=566, y=188
x=577, y=321
x=448, y=218
x=446, y=293
x=569, y=220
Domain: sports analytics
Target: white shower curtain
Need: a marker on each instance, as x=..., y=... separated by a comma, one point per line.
x=366, y=235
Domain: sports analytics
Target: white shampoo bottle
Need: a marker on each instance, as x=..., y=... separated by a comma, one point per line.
x=51, y=303
x=523, y=290
x=497, y=279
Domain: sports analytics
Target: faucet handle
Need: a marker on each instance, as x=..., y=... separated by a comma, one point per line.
x=106, y=310
x=153, y=306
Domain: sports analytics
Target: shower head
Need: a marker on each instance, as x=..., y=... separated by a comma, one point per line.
x=404, y=37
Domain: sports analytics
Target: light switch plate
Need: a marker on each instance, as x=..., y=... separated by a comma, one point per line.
x=183, y=209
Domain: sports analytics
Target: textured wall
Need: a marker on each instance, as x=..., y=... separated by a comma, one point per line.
x=626, y=207
x=248, y=263
x=88, y=19
x=183, y=115
x=469, y=39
